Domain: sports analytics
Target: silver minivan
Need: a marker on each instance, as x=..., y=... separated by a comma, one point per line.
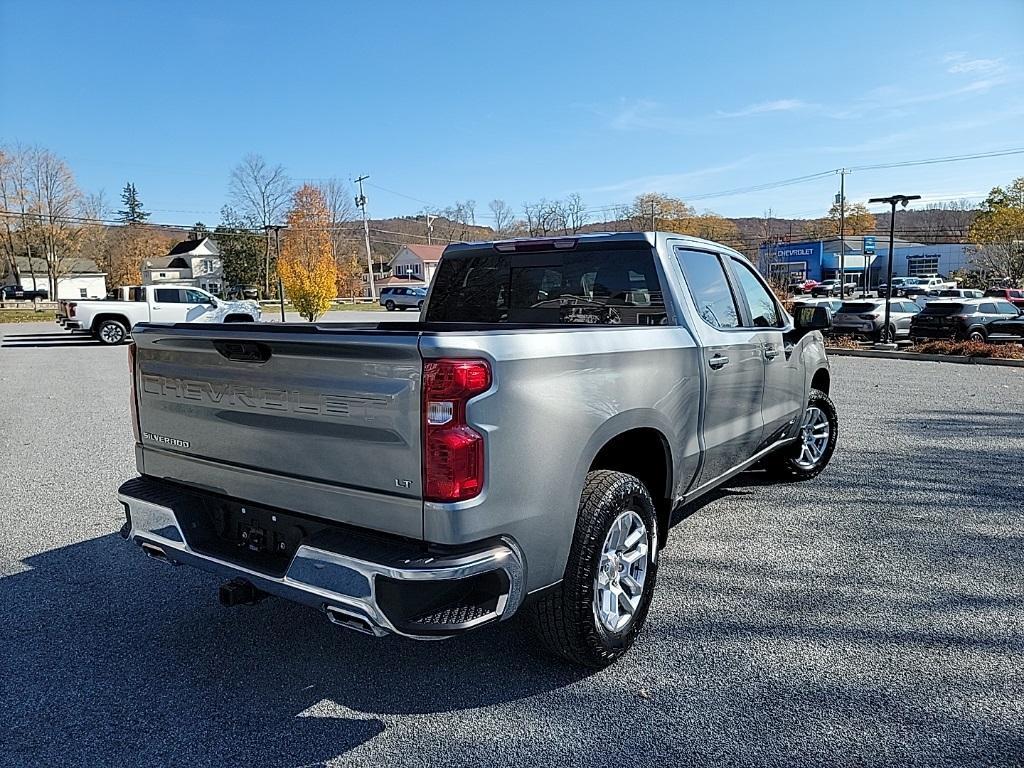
x=402, y=298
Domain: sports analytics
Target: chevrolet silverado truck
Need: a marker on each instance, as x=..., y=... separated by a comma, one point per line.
x=521, y=448
x=111, y=320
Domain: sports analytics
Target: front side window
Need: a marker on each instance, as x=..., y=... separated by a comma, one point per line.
x=196, y=297
x=764, y=310
x=1006, y=308
x=709, y=288
x=587, y=287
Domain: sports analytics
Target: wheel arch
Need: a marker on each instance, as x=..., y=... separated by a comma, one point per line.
x=644, y=453
x=822, y=380
x=239, y=317
x=101, y=318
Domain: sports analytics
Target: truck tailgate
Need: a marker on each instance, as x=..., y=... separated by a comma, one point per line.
x=318, y=420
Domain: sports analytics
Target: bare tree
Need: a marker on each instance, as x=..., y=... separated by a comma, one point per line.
x=576, y=212
x=503, y=217
x=54, y=198
x=13, y=198
x=341, y=215
x=261, y=192
x=457, y=221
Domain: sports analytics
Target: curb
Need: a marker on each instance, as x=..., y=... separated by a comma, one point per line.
x=887, y=355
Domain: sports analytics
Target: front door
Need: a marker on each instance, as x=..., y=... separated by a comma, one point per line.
x=734, y=364
x=783, y=398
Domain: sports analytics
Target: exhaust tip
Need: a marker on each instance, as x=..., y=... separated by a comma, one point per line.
x=343, y=618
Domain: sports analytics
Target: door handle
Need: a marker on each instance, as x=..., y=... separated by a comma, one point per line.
x=770, y=353
x=718, y=361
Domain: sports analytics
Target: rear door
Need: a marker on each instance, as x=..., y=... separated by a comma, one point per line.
x=734, y=365
x=317, y=420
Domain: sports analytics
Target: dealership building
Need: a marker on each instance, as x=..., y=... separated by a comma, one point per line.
x=820, y=259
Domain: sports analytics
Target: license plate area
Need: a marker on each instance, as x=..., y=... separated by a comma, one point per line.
x=259, y=538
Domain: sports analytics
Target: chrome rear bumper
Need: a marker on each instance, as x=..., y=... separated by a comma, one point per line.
x=341, y=580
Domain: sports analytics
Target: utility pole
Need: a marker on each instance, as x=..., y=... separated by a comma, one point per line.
x=842, y=232
x=430, y=226
x=361, y=203
x=277, y=250
x=654, y=223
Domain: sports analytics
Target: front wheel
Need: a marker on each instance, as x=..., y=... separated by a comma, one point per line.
x=112, y=332
x=815, y=443
x=595, y=614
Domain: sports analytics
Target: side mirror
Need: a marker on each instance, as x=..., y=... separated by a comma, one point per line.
x=809, y=319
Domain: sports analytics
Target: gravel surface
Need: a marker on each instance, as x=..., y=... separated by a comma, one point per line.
x=871, y=617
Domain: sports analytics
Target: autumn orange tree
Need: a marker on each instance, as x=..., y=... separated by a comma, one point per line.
x=306, y=266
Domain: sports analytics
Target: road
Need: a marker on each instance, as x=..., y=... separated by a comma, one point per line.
x=872, y=617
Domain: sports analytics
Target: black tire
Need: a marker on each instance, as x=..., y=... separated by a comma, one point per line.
x=785, y=464
x=977, y=334
x=112, y=332
x=389, y=305
x=565, y=618
x=420, y=306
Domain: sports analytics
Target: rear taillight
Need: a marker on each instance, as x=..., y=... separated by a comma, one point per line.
x=71, y=308
x=868, y=317
x=134, y=399
x=453, y=452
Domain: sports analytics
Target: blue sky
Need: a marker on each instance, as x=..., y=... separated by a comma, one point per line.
x=445, y=101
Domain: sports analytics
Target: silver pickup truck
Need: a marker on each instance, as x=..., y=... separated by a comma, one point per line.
x=521, y=447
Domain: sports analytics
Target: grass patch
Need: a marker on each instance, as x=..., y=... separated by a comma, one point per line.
x=26, y=316
x=971, y=349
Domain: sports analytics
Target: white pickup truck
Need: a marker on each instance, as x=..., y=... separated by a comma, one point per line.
x=110, y=320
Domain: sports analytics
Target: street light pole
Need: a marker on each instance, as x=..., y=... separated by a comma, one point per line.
x=887, y=340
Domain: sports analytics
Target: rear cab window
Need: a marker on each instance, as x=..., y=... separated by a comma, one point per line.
x=588, y=286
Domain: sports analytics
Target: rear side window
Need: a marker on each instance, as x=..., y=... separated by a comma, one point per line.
x=168, y=295
x=709, y=287
x=944, y=308
x=588, y=287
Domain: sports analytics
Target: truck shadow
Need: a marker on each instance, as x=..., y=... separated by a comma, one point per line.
x=62, y=339
x=117, y=659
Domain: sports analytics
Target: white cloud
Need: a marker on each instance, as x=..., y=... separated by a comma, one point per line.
x=778, y=105
x=667, y=183
x=960, y=64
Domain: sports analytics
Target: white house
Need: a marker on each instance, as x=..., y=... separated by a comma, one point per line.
x=191, y=262
x=416, y=262
x=82, y=279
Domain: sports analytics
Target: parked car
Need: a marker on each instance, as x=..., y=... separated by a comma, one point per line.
x=831, y=288
x=832, y=304
x=867, y=318
x=521, y=448
x=914, y=286
x=1013, y=295
x=16, y=292
x=976, y=320
x=242, y=292
x=401, y=297
x=111, y=322
x=798, y=287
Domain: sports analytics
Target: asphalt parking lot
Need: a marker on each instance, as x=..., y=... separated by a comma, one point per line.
x=872, y=617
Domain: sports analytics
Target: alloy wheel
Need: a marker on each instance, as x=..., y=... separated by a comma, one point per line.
x=814, y=434
x=621, y=572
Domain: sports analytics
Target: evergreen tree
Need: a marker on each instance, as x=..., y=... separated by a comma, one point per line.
x=132, y=213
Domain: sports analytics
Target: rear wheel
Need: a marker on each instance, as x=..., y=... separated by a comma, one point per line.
x=112, y=332
x=389, y=305
x=595, y=614
x=976, y=334
x=815, y=443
